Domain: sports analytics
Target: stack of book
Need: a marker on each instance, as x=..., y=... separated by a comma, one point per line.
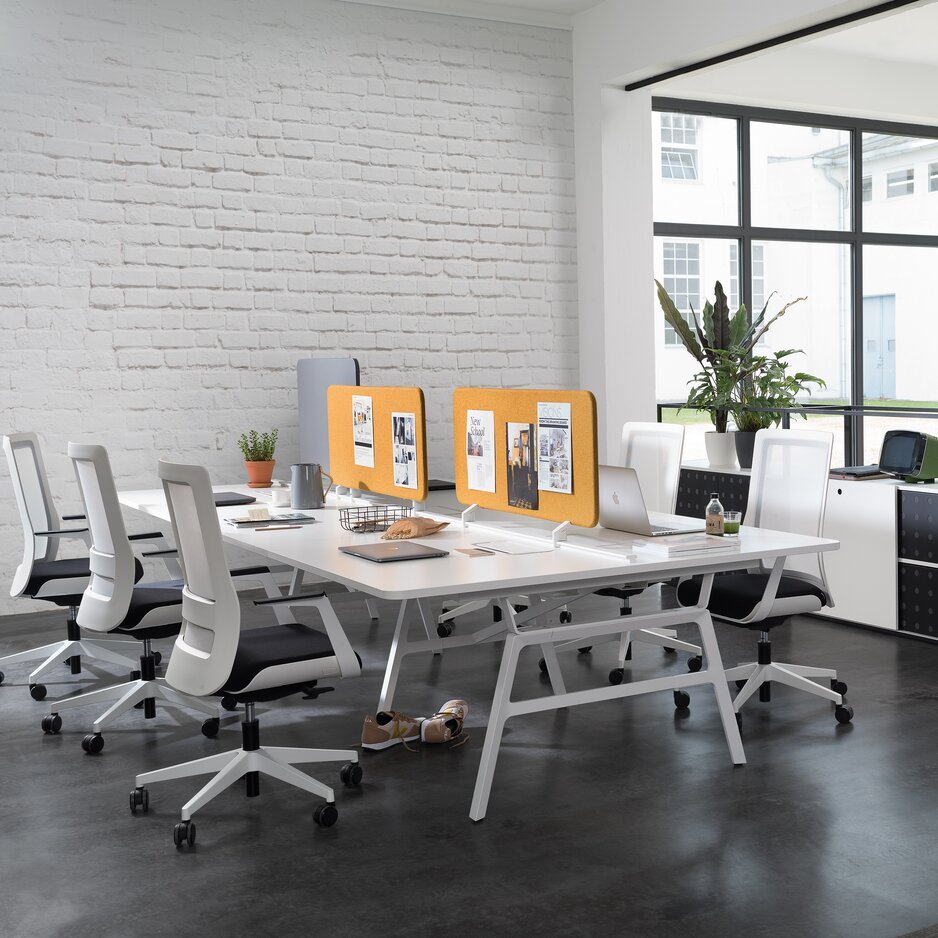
x=683, y=544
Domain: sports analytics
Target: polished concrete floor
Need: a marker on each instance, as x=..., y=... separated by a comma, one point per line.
x=617, y=818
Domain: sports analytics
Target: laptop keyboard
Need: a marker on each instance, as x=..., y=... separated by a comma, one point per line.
x=661, y=529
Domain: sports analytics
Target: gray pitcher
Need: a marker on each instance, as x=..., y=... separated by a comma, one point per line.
x=306, y=490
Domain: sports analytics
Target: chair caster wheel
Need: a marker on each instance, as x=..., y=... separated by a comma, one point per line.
x=565, y=617
x=93, y=743
x=51, y=724
x=139, y=798
x=681, y=699
x=695, y=663
x=351, y=774
x=843, y=713
x=616, y=675
x=135, y=675
x=668, y=650
x=37, y=691
x=210, y=727
x=838, y=687
x=542, y=664
x=585, y=650
x=741, y=683
x=326, y=815
x=444, y=629
x=496, y=613
x=229, y=703
x=184, y=834
x=157, y=657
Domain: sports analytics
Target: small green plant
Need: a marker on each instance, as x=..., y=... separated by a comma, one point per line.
x=258, y=447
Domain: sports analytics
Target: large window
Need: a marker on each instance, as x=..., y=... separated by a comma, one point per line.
x=801, y=205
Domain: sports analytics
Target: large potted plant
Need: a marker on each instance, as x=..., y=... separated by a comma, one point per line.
x=722, y=345
x=766, y=388
x=258, y=452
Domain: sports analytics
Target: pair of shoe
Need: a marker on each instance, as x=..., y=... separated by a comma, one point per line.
x=390, y=727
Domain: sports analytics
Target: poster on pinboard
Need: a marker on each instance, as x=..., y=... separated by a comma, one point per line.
x=363, y=431
x=522, y=465
x=480, y=450
x=404, y=436
x=554, y=448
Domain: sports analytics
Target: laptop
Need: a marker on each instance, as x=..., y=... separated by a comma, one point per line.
x=622, y=507
x=226, y=499
x=391, y=551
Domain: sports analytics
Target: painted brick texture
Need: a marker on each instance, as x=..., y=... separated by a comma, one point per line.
x=195, y=195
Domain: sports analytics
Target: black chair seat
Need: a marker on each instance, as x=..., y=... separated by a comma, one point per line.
x=143, y=601
x=47, y=571
x=259, y=649
x=735, y=595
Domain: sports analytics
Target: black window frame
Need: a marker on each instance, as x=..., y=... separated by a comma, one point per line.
x=855, y=238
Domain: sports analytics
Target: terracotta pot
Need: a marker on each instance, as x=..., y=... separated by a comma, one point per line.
x=721, y=449
x=260, y=473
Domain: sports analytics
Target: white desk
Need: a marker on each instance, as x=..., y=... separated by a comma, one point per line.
x=588, y=560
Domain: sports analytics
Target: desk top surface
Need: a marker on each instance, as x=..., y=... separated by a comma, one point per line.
x=590, y=557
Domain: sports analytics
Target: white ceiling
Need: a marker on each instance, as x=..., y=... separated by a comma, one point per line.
x=908, y=35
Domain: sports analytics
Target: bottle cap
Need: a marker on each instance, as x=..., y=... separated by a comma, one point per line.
x=714, y=494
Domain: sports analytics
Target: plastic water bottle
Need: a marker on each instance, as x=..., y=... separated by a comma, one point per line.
x=714, y=515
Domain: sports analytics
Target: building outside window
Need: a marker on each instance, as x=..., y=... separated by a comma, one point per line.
x=867, y=187
x=933, y=177
x=681, y=278
x=679, y=146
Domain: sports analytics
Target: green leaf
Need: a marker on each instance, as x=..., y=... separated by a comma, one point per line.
x=721, y=318
x=739, y=326
x=678, y=323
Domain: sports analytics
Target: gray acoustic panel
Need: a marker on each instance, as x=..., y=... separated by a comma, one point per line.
x=313, y=379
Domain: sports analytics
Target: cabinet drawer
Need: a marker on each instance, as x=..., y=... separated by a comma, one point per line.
x=918, y=599
x=918, y=526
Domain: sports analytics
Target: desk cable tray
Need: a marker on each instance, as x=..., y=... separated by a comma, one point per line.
x=373, y=518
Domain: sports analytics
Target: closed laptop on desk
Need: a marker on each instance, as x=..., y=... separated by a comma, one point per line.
x=391, y=551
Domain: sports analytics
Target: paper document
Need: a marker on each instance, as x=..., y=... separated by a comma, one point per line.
x=675, y=546
x=480, y=450
x=363, y=431
x=404, y=432
x=515, y=547
x=554, y=448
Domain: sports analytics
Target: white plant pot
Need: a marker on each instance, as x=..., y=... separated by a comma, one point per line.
x=721, y=449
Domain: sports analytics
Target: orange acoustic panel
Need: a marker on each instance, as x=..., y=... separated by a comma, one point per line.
x=581, y=505
x=346, y=421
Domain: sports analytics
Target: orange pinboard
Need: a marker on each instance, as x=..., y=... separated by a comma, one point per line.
x=384, y=403
x=581, y=505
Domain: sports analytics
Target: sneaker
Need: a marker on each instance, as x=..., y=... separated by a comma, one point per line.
x=446, y=723
x=388, y=728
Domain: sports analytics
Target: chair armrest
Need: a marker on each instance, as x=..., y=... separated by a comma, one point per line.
x=293, y=598
x=147, y=536
x=62, y=532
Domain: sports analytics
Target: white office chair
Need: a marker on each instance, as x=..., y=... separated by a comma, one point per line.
x=40, y=575
x=213, y=656
x=788, y=492
x=654, y=451
x=113, y=603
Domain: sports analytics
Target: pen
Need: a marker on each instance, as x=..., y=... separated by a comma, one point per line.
x=279, y=527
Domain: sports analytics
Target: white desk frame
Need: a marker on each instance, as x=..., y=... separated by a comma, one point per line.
x=575, y=568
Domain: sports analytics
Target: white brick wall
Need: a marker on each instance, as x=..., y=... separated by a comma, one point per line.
x=195, y=195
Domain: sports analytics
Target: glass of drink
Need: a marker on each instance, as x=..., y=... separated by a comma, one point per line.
x=731, y=521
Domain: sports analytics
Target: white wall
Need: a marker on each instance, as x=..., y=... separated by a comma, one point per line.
x=195, y=195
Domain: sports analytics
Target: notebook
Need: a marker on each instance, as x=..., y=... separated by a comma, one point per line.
x=278, y=517
x=391, y=551
x=227, y=499
x=622, y=507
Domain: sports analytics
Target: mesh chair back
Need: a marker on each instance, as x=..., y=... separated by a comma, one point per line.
x=788, y=489
x=34, y=501
x=106, y=599
x=654, y=451
x=205, y=648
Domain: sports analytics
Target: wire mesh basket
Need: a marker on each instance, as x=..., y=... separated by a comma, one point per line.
x=372, y=518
